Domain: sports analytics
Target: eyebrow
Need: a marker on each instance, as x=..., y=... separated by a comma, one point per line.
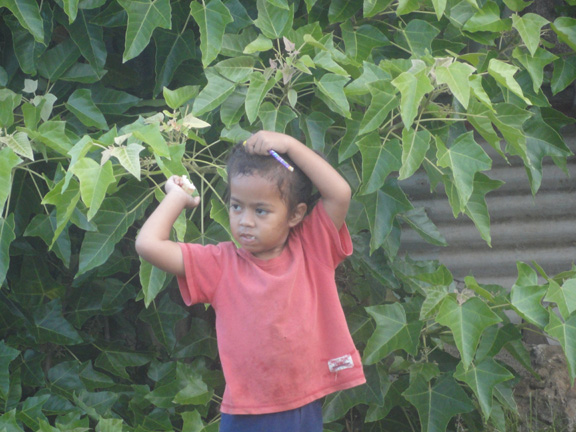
x=257, y=204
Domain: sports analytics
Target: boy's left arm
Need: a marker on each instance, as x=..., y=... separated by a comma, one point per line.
x=333, y=188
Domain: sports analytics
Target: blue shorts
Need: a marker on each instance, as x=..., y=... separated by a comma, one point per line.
x=305, y=419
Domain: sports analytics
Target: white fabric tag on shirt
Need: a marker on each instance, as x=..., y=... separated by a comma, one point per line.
x=341, y=363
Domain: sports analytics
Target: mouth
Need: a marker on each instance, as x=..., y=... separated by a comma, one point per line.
x=247, y=238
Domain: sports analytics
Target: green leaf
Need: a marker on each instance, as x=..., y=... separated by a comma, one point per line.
x=381, y=208
x=383, y=101
x=393, y=332
x=476, y=208
x=96, y=404
x=55, y=61
x=71, y=9
x=78, y=152
x=8, y=161
x=89, y=38
x=200, y=341
x=129, y=158
x=65, y=202
x=565, y=333
x=413, y=86
x=315, y=126
x=275, y=119
x=503, y=73
x=162, y=318
x=26, y=48
x=534, y=64
x=152, y=280
x=477, y=89
x=419, y=36
x=37, y=284
x=360, y=41
x=94, y=181
x=564, y=296
x=212, y=19
x=564, y=74
x=272, y=20
x=52, y=327
x=541, y=140
x=487, y=19
x=465, y=158
x=421, y=223
x=8, y=422
x=237, y=69
x=372, y=393
x=517, y=5
x=151, y=135
x=437, y=404
x=196, y=392
x=415, y=145
x=260, y=44
x=482, y=379
x=31, y=412
x=110, y=101
x=439, y=7
x=28, y=14
x=80, y=103
x=7, y=354
x=379, y=159
x=529, y=26
x=565, y=28
x=19, y=143
x=509, y=119
x=467, y=322
x=113, y=221
x=178, y=97
x=331, y=87
x=257, y=91
x=406, y=6
x=115, y=359
x=434, y=296
x=44, y=227
x=9, y=101
x=172, y=49
x=456, y=76
x=527, y=301
x=143, y=18
x=214, y=94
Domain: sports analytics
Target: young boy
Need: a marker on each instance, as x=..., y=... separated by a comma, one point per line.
x=282, y=335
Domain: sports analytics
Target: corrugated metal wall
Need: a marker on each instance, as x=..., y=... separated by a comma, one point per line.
x=526, y=228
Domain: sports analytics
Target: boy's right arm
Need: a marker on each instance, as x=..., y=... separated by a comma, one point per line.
x=153, y=242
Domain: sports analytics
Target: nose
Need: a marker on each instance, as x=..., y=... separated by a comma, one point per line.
x=247, y=219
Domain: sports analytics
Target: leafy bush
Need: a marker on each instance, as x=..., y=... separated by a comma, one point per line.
x=102, y=100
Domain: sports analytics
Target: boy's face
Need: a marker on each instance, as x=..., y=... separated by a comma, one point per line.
x=259, y=218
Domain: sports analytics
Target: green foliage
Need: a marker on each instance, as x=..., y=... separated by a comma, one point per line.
x=101, y=101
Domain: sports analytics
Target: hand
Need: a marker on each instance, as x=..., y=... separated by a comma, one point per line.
x=175, y=185
x=264, y=141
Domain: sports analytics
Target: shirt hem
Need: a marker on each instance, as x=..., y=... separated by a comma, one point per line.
x=291, y=405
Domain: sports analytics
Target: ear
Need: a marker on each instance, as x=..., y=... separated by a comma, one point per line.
x=297, y=215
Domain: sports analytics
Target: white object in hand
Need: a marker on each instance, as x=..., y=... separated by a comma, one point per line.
x=188, y=186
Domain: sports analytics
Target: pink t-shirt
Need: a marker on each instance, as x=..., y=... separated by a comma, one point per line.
x=282, y=335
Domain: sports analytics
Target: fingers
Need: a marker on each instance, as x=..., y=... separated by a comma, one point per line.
x=258, y=143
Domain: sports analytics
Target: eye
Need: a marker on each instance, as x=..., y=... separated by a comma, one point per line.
x=235, y=207
x=261, y=212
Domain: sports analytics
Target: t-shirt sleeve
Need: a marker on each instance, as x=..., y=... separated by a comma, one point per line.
x=203, y=270
x=319, y=234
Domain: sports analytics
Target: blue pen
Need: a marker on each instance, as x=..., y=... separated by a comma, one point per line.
x=282, y=161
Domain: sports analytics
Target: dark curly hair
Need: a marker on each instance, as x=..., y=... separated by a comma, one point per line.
x=294, y=186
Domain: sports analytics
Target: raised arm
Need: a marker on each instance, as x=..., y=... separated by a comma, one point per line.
x=334, y=190
x=153, y=242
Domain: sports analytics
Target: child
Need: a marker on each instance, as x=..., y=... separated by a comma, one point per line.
x=282, y=335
